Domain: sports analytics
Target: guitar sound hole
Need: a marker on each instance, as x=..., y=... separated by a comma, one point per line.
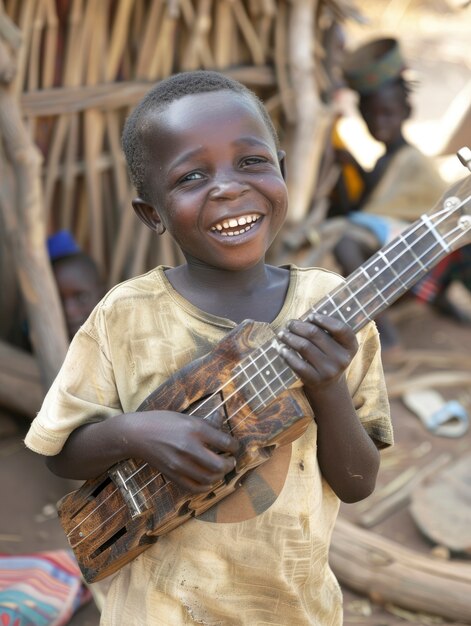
x=230, y=476
x=210, y=495
x=109, y=542
x=184, y=510
x=212, y=409
x=99, y=488
x=91, y=496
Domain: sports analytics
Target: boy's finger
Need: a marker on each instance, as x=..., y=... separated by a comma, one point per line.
x=302, y=336
x=220, y=440
x=306, y=371
x=195, y=478
x=332, y=325
x=209, y=467
x=318, y=348
x=340, y=331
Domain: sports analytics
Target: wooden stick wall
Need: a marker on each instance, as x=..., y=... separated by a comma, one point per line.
x=83, y=65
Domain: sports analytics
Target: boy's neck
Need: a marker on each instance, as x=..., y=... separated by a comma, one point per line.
x=256, y=293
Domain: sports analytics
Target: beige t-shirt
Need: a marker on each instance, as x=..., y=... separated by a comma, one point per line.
x=260, y=556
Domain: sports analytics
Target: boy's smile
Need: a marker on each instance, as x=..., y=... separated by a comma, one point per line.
x=233, y=227
x=215, y=180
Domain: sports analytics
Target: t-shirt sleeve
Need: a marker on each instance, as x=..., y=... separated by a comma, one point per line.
x=83, y=392
x=367, y=386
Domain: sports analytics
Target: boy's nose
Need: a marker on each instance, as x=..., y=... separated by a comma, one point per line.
x=227, y=187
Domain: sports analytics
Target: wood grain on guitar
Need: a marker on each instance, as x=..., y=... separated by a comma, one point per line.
x=246, y=385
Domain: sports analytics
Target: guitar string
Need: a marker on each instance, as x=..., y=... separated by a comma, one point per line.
x=230, y=417
x=155, y=477
x=254, y=410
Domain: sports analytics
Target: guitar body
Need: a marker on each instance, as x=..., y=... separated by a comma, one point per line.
x=113, y=518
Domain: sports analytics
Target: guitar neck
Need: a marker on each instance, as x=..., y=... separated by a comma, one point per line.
x=385, y=276
x=373, y=287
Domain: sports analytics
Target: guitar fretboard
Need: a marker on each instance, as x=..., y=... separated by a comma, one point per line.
x=385, y=276
x=263, y=375
x=373, y=287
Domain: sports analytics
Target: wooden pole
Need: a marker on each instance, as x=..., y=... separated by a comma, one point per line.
x=313, y=119
x=23, y=219
x=388, y=573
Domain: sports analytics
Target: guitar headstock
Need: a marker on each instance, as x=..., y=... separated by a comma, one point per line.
x=451, y=216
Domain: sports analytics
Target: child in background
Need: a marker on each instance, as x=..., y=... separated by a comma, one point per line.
x=77, y=277
x=79, y=284
x=205, y=161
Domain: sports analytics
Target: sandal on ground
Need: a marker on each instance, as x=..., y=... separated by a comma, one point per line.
x=439, y=416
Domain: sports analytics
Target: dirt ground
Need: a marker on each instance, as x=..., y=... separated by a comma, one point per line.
x=28, y=491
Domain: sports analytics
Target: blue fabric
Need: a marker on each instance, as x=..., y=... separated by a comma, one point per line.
x=61, y=244
x=379, y=226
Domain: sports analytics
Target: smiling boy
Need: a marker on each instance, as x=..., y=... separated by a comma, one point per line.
x=206, y=164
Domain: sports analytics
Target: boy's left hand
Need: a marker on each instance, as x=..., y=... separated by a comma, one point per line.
x=318, y=350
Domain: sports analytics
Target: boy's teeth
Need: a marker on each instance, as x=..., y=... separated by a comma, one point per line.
x=233, y=223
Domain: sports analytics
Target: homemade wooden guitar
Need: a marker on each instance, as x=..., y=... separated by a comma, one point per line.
x=245, y=384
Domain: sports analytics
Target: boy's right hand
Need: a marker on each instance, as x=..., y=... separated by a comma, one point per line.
x=186, y=449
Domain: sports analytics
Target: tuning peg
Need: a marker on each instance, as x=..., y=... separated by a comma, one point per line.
x=464, y=155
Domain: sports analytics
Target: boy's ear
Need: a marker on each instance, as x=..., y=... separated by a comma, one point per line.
x=149, y=215
x=282, y=162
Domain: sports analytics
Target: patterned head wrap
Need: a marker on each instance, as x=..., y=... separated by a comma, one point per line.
x=373, y=64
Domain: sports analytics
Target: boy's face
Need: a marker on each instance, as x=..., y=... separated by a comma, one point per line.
x=215, y=180
x=384, y=113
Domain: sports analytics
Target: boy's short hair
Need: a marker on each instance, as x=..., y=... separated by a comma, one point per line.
x=160, y=97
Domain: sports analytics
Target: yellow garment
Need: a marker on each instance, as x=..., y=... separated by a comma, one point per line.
x=410, y=186
x=272, y=566
x=353, y=181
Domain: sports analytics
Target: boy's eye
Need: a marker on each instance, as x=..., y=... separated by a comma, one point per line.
x=254, y=160
x=191, y=176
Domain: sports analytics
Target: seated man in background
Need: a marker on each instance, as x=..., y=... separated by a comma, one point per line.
x=403, y=183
